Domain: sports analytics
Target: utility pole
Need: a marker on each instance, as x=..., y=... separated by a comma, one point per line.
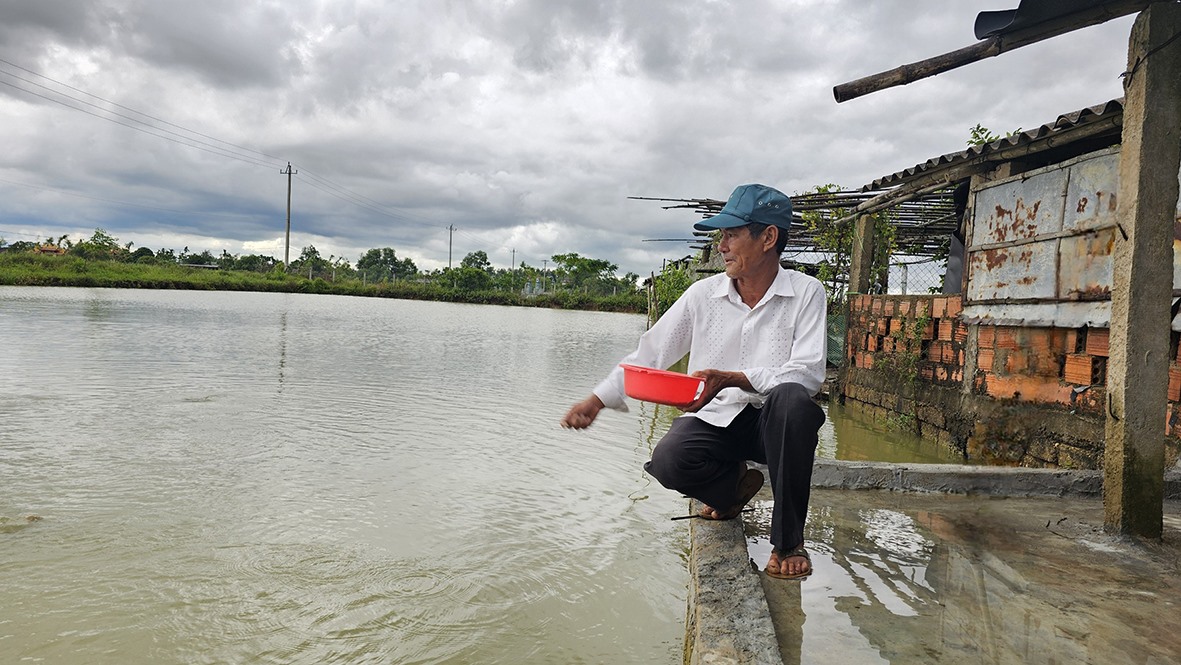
x=513, y=267
x=287, y=244
x=450, y=234
x=1138, y=362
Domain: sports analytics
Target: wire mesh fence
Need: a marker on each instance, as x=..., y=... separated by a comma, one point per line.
x=917, y=276
x=899, y=275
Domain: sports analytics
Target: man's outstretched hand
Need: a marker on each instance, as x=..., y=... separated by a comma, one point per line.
x=582, y=414
x=717, y=380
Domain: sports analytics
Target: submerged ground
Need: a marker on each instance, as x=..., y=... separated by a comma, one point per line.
x=935, y=578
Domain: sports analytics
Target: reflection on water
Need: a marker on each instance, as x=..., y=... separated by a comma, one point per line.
x=845, y=436
x=953, y=579
x=282, y=345
x=243, y=477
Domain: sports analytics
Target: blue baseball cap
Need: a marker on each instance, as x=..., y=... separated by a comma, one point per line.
x=751, y=203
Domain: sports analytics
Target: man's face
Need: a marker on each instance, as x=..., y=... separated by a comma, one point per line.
x=741, y=251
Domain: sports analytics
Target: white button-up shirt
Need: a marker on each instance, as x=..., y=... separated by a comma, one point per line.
x=781, y=339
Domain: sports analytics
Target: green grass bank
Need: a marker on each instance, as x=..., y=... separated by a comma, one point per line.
x=29, y=269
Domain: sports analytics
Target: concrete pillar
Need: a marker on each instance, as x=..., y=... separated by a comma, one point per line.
x=1137, y=379
x=861, y=261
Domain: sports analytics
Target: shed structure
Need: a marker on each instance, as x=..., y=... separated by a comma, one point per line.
x=1059, y=350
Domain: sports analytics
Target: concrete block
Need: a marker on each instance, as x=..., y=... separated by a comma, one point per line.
x=960, y=479
x=728, y=619
x=840, y=474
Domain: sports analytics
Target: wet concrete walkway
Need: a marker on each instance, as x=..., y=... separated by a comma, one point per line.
x=907, y=577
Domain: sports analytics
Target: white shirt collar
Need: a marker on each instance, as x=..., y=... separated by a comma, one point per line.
x=780, y=287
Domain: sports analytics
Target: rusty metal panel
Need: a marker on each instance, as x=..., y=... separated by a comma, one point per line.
x=1019, y=209
x=1060, y=315
x=1015, y=211
x=1085, y=266
x=1095, y=314
x=1024, y=271
x=1085, y=262
x=1090, y=192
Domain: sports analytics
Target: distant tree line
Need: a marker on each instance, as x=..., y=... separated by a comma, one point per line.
x=568, y=274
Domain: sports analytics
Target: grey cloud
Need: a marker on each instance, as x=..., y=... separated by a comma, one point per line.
x=225, y=43
x=496, y=117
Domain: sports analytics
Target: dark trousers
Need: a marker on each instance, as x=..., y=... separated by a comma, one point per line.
x=700, y=460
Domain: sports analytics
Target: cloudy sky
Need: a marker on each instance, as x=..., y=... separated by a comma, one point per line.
x=524, y=125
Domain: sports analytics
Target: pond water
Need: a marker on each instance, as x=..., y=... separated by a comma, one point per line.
x=194, y=477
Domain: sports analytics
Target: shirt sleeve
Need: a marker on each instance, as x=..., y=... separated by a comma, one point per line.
x=666, y=342
x=809, y=349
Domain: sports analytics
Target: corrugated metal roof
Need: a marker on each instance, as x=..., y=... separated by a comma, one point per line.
x=1064, y=125
x=1028, y=13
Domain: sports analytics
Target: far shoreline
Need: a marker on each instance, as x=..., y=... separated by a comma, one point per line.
x=66, y=271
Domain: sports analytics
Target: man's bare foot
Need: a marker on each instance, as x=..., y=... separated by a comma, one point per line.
x=749, y=484
x=791, y=565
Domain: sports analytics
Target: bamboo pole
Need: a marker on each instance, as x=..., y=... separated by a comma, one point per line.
x=988, y=48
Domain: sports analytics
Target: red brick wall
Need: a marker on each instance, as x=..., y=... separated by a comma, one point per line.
x=1001, y=394
x=921, y=330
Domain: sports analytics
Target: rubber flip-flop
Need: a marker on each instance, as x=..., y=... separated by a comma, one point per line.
x=783, y=557
x=748, y=486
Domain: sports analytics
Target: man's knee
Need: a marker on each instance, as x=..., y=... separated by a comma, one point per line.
x=671, y=456
x=794, y=402
x=664, y=460
x=789, y=395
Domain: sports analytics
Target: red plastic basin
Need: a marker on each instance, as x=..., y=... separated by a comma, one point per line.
x=660, y=386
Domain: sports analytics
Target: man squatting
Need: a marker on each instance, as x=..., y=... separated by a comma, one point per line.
x=756, y=335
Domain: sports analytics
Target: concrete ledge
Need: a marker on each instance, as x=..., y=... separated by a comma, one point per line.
x=967, y=479
x=728, y=620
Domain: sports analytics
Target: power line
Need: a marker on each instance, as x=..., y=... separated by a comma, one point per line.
x=182, y=140
x=326, y=185
x=233, y=151
x=118, y=105
x=349, y=196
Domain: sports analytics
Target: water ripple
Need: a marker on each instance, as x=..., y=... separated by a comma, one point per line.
x=269, y=478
